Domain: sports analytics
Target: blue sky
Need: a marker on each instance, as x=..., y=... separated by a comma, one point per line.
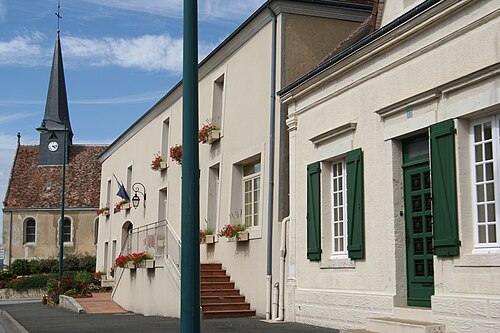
x=120, y=57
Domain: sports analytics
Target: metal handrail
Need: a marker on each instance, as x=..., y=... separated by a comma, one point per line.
x=158, y=239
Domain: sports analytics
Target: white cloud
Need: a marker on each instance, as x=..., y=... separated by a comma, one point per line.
x=148, y=52
x=24, y=50
x=15, y=116
x=208, y=9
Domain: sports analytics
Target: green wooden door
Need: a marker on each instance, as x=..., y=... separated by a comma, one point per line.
x=419, y=224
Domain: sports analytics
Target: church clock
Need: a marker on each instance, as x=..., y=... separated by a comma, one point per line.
x=53, y=146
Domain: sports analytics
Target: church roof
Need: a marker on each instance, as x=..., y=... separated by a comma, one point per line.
x=34, y=186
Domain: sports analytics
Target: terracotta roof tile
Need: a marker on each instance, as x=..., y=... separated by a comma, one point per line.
x=29, y=183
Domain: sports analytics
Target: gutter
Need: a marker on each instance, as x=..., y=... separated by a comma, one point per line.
x=270, y=204
x=363, y=42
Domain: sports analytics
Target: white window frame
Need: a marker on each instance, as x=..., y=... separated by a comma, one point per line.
x=335, y=218
x=495, y=137
x=25, y=230
x=70, y=243
x=251, y=178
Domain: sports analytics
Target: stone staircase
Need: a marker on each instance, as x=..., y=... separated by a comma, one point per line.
x=219, y=297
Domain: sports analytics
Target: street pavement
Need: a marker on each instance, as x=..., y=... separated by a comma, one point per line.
x=35, y=317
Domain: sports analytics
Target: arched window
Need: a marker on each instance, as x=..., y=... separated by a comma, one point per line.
x=67, y=235
x=29, y=230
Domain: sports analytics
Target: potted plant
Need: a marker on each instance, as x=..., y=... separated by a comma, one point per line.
x=234, y=233
x=158, y=164
x=103, y=211
x=176, y=153
x=125, y=204
x=122, y=261
x=207, y=236
x=209, y=132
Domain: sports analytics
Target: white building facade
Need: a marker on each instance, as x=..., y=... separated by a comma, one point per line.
x=243, y=174
x=394, y=174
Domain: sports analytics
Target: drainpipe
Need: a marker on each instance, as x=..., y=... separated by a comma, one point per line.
x=10, y=239
x=281, y=292
x=272, y=112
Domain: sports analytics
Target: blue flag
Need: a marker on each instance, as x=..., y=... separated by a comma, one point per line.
x=122, y=192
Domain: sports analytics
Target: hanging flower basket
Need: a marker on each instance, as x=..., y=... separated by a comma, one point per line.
x=208, y=133
x=158, y=164
x=176, y=154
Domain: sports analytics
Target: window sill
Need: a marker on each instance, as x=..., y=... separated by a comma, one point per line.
x=336, y=263
x=68, y=244
x=30, y=244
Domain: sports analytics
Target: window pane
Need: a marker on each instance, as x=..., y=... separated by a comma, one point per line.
x=489, y=171
x=478, y=133
x=257, y=183
x=480, y=213
x=487, y=131
x=491, y=213
x=480, y=193
x=490, y=192
x=492, y=233
x=479, y=173
x=251, y=168
x=488, y=151
x=482, y=234
x=256, y=220
x=479, y=153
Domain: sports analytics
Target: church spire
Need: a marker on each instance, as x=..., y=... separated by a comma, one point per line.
x=56, y=107
x=56, y=112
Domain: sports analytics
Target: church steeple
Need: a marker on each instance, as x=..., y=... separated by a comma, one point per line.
x=56, y=113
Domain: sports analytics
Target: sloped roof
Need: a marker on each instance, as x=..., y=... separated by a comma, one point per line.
x=34, y=186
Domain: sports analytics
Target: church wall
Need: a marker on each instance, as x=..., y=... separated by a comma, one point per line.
x=46, y=243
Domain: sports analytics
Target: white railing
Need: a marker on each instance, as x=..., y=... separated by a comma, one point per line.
x=157, y=239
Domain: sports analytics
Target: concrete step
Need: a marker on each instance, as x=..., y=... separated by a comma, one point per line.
x=220, y=292
x=222, y=299
x=217, y=285
x=359, y=331
x=228, y=314
x=213, y=272
x=215, y=278
x=225, y=306
x=210, y=266
x=391, y=325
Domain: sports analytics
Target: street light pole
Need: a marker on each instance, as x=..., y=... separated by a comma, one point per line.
x=190, y=216
x=61, y=222
x=43, y=129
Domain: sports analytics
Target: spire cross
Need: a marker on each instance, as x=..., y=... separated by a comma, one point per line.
x=59, y=17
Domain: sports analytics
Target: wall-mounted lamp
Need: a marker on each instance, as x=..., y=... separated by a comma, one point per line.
x=136, y=199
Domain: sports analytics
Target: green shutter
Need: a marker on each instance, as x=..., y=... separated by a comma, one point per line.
x=313, y=212
x=355, y=209
x=444, y=189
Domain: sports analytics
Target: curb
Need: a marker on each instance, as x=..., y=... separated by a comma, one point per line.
x=70, y=304
x=13, y=325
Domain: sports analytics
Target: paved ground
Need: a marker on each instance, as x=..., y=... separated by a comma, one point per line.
x=35, y=317
x=99, y=303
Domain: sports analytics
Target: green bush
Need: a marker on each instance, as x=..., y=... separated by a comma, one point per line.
x=46, y=265
x=87, y=263
x=38, y=281
x=21, y=267
x=7, y=276
x=71, y=263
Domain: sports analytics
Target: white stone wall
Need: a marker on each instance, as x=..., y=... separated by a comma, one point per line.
x=442, y=65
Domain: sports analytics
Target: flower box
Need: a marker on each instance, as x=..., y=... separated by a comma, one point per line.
x=106, y=213
x=149, y=263
x=243, y=237
x=130, y=265
x=213, y=136
x=163, y=165
x=208, y=239
x=126, y=206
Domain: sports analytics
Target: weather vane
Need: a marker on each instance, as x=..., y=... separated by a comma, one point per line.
x=59, y=17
